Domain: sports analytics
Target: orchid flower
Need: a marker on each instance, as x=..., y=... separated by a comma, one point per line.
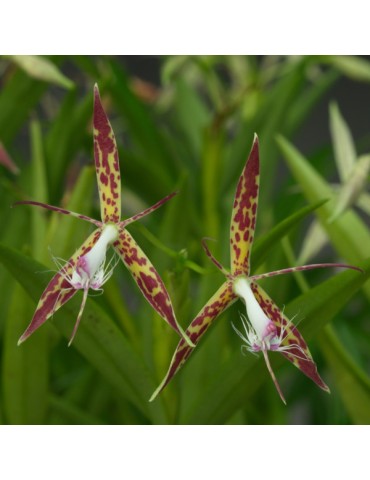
x=87, y=268
x=266, y=328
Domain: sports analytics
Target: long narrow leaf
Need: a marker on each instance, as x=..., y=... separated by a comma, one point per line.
x=42, y=69
x=348, y=233
x=99, y=339
x=263, y=245
x=352, y=382
x=343, y=144
x=25, y=371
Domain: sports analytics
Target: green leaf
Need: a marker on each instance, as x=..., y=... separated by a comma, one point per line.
x=306, y=101
x=142, y=127
x=25, y=370
x=17, y=98
x=191, y=115
x=211, y=179
x=348, y=233
x=66, y=233
x=354, y=67
x=314, y=240
x=66, y=138
x=99, y=340
x=39, y=191
x=71, y=413
x=353, y=188
x=285, y=91
x=171, y=67
x=343, y=144
x=42, y=69
x=263, y=245
x=364, y=202
x=240, y=376
x=352, y=382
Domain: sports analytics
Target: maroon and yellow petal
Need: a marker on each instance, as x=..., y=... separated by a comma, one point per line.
x=299, y=353
x=63, y=211
x=244, y=214
x=218, y=303
x=106, y=164
x=148, y=210
x=147, y=279
x=59, y=290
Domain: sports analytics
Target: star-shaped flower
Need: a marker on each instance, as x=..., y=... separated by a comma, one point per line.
x=87, y=268
x=266, y=328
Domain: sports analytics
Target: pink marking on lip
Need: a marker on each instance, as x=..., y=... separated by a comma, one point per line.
x=82, y=266
x=271, y=330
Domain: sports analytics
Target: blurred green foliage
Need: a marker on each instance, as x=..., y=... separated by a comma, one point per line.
x=192, y=133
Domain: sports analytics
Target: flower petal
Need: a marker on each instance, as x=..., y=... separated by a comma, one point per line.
x=106, y=164
x=59, y=290
x=60, y=210
x=300, y=356
x=146, y=212
x=147, y=279
x=219, y=302
x=244, y=214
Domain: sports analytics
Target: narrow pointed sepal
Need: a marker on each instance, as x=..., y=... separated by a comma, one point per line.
x=218, y=303
x=146, y=212
x=244, y=214
x=297, y=351
x=213, y=259
x=63, y=211
x=59, y=290
x=304, y=268
x=106, y=164
x=147, y=279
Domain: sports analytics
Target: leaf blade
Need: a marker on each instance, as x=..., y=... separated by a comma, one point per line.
x=100, y=341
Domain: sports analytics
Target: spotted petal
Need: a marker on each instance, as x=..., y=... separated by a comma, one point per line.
x=219, y=302
x=59, y=290
x=147, y=211
x=106, y=164
x=147, y=279
x=300, y=355
x=63, y=211
x=244, y=214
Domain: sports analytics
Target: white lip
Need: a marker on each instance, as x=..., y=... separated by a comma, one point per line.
x=96, y=256
x=257, y=317
x=90, y=270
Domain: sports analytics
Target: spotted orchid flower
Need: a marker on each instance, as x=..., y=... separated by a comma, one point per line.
x=266, y=328
x=88, y=268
